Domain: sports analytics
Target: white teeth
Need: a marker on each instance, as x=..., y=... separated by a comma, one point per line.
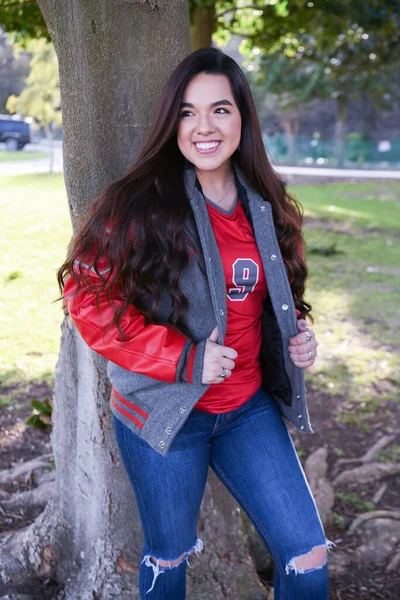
x=206, y=145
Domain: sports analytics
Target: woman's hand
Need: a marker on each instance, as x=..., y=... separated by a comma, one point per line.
x=303, y=346
x=217, y=358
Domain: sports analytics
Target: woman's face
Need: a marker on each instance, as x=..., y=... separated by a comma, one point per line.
x=210, y=124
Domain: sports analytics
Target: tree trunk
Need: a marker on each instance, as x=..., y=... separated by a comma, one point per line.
x=113, y=59
x=203, y=27
x=342, y=107
x=289, y=127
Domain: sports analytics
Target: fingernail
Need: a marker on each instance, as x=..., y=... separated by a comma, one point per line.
x=304, y=325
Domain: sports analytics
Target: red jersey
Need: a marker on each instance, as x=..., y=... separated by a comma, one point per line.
x=246, y=287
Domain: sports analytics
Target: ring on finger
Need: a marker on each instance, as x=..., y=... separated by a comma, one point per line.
x=223, y=373
x=310, y=354
x=308, y=336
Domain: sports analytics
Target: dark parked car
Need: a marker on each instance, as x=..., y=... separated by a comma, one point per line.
x=14, y=134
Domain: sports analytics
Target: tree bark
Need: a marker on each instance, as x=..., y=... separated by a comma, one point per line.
x=203, y=27
x=290, y=126
x=113, y=59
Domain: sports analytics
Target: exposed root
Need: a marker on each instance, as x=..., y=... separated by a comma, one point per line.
x=372, y=452
x=373, y=514
x=23, y=472
x=367, y=473
x=30, y=554
x=35, y=498
x=393, y=565
x=379, y=493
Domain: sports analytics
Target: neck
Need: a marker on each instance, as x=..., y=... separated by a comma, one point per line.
x=215, y=183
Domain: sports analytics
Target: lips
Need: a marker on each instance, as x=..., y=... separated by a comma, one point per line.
x=207, y=147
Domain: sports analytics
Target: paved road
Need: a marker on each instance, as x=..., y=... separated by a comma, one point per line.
x=42, y=166
x=347, y=173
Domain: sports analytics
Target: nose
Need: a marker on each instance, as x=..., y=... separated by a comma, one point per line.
x=205, y=125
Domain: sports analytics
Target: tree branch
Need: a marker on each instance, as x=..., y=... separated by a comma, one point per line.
x=19, y=4
x=238, y=8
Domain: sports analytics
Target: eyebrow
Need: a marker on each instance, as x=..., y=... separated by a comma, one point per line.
x=212, y=105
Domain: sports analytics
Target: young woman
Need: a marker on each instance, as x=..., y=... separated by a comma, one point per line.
x=189, y=278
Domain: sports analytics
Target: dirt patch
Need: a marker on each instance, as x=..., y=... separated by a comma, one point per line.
x=346, y=440
x=345, y=228
x=19, y=443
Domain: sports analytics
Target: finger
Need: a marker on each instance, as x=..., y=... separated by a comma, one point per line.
x=220, y=379
x=213, y=337
x=302, y=348
x=228, y=352
x=227, y=363
x=302, y=324
x=302, y=338
x=303, y=357
x=304, y=365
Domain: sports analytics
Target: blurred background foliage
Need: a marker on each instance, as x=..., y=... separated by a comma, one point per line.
x=334, y=59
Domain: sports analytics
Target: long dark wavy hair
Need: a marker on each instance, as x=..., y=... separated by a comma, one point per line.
x=150, y=203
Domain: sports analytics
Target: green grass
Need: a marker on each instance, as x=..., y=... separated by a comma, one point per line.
x=371, y=204
x=355, y=294
x=35, y=233
x=22, y=155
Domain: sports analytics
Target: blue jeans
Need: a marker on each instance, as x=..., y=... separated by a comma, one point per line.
x=251, y=451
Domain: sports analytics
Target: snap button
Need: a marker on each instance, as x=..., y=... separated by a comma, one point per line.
x=298, y=396
x=284, y=307
x=167, y=430
x=209, y=258
x=262, y=207
x=221, y=312
x=273, y=256
x=301, y=426
x=299, y=416
x=161, y=444
x=182, y=409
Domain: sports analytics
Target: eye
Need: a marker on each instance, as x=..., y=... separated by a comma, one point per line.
x=185, y=113
x=224, y=111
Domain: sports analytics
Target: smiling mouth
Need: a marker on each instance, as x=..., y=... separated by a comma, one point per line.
x=207, y=147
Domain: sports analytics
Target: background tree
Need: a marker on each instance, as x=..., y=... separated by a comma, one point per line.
x=24, y=19
x=88, y=539
x=354, y=43
x=286, y=89
x=14, y=68
x=40, y=98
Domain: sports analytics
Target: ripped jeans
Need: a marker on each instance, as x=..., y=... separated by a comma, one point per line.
x=251, y=451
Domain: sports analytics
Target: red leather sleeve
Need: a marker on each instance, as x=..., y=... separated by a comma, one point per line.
x=152, y=350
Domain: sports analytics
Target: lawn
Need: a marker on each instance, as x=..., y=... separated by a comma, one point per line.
x=36, y=231
x=355, y=293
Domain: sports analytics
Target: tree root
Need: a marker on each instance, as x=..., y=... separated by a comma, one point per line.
x=373, y=514
x=32, y=553
x=367, y=473
x=23, y=472
x=372, y=452
x=394, y=564
x=35, y=498
x=379, y=493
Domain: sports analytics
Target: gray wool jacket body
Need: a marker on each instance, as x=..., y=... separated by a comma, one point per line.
x=168, y=405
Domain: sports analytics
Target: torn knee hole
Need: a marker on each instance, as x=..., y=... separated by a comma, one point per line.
x=315, y=559
x=168, y=563
x=161, y=566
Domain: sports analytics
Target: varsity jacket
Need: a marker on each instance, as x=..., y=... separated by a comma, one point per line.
x=156, y=373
